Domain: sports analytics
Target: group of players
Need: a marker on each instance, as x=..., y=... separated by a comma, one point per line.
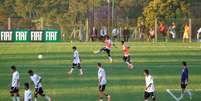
x=15, y=84
x=149, y=81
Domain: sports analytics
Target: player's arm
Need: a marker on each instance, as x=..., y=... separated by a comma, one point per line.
x=18, y=80
x=39, y=81
x=148, y=86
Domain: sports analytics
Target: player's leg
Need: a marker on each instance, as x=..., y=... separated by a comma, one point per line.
x=80, y=68
x=72, y=68
x=153, y=96
x=105, y=94
x=36, y=94
x=109, y=56
x=12, y=94
x=146, y=96
x=17, y=94
x=183, y=87
x=99, y=51
x=100, y=96
x=41, y=93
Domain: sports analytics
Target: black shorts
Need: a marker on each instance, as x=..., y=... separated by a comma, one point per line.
x=149, y=94
x=76, y=65
x=183, y=86
x=102, y=88
x=106, y=50
x=126, y=59
x=39, y=90
x=14, y=90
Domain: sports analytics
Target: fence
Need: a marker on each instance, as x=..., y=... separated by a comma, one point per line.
x=122, y=29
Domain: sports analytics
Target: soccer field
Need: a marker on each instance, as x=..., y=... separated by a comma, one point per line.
x=163, y=59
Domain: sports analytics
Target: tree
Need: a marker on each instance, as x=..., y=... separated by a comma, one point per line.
x=165, y=9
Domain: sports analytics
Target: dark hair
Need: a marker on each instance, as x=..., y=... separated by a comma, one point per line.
x=107, y=36
x=74, y=47
x=99, y=64
x=184, y=63
x=146, y=71
x=122, y=42
x=13, y=67
x=30, y=71
x=26, y=84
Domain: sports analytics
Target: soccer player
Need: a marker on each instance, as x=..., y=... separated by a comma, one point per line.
x=76, y=61
x=27, y=92
x=149, y=86
x=102, y=83
x=36, y=79
x=126, y=56
x=107, y=48
x=15, y=84
x=184, y=80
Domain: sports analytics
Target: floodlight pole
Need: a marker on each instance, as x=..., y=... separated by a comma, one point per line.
x=112, y=14
x=108, y=1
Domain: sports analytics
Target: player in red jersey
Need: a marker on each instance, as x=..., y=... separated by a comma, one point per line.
x=107, y=48
x=126, y=56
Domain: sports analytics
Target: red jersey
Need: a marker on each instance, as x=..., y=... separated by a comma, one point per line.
x=108, y=43
x=125, y=50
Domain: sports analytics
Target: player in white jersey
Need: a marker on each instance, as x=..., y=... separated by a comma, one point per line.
x=76, y=62
x=149, y=86
x=36, y=79
x=15, y=84
x=27, y=92
x=102, y=83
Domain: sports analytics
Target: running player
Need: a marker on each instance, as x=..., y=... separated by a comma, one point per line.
x=36, y=79
x=76, y=62
x=184, y=80
x=149, y=86
x=102, y=83
x=27, y=92
x=126, y=56
x=15, y=84
x=107, y=48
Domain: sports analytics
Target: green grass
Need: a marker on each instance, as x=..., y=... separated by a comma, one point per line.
x=163, y=59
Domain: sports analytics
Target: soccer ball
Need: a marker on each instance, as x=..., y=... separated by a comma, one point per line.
x=40, y=56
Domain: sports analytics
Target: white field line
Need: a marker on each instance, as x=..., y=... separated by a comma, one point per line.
x=169, y=92
x=196, y=90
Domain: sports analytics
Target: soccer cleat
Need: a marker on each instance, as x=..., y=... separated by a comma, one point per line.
x=108, y=98
x=130, y=66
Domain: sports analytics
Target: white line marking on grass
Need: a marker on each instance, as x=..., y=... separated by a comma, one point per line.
x=169, y=92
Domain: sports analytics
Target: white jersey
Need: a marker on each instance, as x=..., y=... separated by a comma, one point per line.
x=36, y=78
x=15, y=79
x=149, y=80
x=27, y=95
x=102, y=76
x=199, y=31
x=76, y=57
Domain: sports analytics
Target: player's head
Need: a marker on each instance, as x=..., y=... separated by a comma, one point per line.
x=26, y=85
x=74, y=48
x=13, y=68
x=184, y=63
x=99, y=65
x=122, y=42
x=30, y=72
x=146, y=72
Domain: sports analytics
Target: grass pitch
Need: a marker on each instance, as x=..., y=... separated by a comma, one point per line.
x=163, y=59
